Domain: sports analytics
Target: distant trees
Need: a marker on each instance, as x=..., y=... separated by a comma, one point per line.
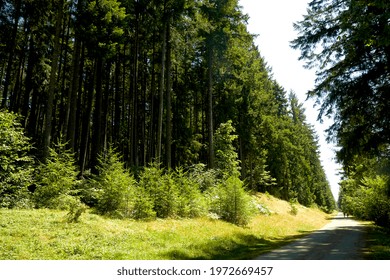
x=348, y=42
x=155, y=80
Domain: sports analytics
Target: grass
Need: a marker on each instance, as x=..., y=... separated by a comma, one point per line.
x=377, y=243
x=46, y=235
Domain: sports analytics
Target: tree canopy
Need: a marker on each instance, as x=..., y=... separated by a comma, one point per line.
x=348, y=41
x=179, y=83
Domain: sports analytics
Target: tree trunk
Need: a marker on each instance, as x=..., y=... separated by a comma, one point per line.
x=86, y=126
x=52, y=81
x=210, y=106
x=117, y=100
x=161, y=94
x=168, y=140
x=97, y=116
x=70, y=124
x=11, y=54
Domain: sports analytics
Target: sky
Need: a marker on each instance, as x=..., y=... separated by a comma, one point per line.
x=272, y=21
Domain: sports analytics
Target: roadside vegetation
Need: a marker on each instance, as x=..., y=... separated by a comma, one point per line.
x=49, y=211
x=115, y=191
x=46, y=234
x=377, y=243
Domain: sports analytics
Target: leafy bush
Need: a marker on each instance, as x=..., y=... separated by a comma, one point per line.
x=367, y=199
x=76, y=208
x=15, y=163
x=56, y=179
x=113, y=188
x=293, y=208
x=204, y=178
x=161, y=189
x=191, y=202
x=143, y=205
x=373, y=196
x=231, y=202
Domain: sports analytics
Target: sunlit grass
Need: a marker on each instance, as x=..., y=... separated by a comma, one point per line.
x=45, y=234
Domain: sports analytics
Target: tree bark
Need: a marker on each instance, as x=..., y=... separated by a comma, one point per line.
x=97, y=116
x=12, y=47
x=210, y=125
x=70, y=124
x=52, y=82
x=168, y=140
x=161, y=94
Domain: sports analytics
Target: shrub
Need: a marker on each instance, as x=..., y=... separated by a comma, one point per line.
x=113, y=188
x=143, y=206
x=205, y=179
x=161, y=189
x=293, y=208
x=15, y=163
x=231, y=202
x=56, y=179
x=374, y=196
x=191, y=202
x=76, y=208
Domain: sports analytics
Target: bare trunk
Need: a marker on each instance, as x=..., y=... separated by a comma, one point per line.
x=52, y=82
x=161, y=95
x=210, y=126
x=97, y=116
x=168, y=140
x=12, y=47
x=70, y=123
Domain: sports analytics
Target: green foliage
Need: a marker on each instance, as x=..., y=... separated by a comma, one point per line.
x=231, y=202
x=191, y=202
x=348, y=41
x=199, y=52
x=293, y=159
x=114, y=187
x=204, y=178
x=76, y=208
x=365, y=193
x=104, y=28
x=56, y=179
x=294, y=208
x=15, y=162
x=258, y=177
x=161, y=189
x=226, y=157
x=376, y=199
x=143, y=205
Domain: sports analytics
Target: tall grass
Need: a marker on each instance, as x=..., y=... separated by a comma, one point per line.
x=46, y=234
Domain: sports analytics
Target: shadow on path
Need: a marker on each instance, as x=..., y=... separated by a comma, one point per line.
x=341, y=239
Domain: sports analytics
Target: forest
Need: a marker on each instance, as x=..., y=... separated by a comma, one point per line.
x=348, y=42
x=146, y=108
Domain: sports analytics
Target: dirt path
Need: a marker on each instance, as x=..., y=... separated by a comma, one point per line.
x=341, y=239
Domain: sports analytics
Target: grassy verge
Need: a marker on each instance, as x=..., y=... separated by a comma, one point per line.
x=377, y=243
x=45, y=234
